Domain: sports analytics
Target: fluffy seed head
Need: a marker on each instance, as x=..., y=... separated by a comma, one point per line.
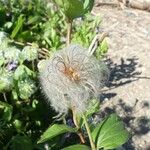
x=71, y=78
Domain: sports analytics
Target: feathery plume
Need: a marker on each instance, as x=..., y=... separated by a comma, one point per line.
x=71, y=78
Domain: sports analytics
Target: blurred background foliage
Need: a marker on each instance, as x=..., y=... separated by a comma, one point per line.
x=29, y=32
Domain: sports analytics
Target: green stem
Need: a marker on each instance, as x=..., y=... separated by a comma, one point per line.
x=89, y=133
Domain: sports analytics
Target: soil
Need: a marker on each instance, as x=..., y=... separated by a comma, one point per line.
x=128, y=90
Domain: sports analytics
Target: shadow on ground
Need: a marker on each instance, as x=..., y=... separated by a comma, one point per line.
x=137, y=126
x=121, y=74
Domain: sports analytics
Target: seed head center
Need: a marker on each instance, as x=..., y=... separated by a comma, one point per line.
x=71, y=73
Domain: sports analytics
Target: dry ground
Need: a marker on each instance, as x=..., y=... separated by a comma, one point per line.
x=128, y=91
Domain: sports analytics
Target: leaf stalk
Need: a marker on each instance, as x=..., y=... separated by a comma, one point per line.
x=88, y=132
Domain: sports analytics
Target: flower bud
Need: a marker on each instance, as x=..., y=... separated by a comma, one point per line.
x=6, y=81
x=29, y=53
x=12, y=54
x=26, y=88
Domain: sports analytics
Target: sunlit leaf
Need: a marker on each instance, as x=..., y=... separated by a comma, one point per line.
x=6, y=81
x=22, y=71
x=54, y=131
x=12, y=54
x=30, y=53
x=75, y=8
x=102, y=49
x=33, y=19
x=93, y=107
x=18, y=26
x=110, y=133
x=77, y=147
x=104, y=46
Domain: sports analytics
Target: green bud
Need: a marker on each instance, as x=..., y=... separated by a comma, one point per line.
x=17, y=124
x=12, y=54
x=7, y=111
x=38, y=123
x=26, y=88
x=6, y=81
x=30, y=53
x=3, y=40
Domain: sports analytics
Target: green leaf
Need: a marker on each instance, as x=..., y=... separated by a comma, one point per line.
x=102, y=49
x=104, y=46
x=33, y=19
x=96, y=131
x=77, y=147
x=14, y=94
x=54, y=131
x=88, y=5
x=21, y=143
x=110, y=133
x=7, y=111
x=22, y=71
x=30, y=53
x=6, y=81
x=2, y=61
x=25, y=36
x=12, y=54
x=17, y=124
x=18, y=26
x=93, y=107
x=75, y=8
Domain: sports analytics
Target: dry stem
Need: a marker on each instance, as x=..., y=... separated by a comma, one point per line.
x=97, y=39
x=69, y=30
x=77, y=125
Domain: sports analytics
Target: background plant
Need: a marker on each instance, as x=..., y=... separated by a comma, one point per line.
x=31, y=31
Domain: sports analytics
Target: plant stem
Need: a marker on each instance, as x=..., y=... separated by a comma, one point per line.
x=89, y=133
x=69, y=30
x=77, y=125
x=5, y=98
x=97, y=39
x=33, y=68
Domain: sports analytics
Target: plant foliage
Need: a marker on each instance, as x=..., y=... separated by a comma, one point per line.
x=30, y=32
